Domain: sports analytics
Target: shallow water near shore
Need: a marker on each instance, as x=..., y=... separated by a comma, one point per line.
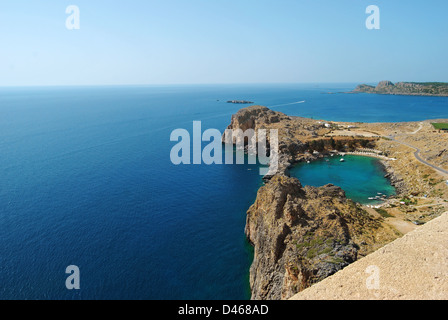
x=360, y=177
x=86, y=179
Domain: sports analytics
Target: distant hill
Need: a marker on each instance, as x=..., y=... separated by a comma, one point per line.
x=406, y=88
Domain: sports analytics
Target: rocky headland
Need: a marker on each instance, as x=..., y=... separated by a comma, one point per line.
x=301, y=235
x=299, y=139
x=406, y=88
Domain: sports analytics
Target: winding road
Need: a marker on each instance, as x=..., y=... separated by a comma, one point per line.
x=418, y=157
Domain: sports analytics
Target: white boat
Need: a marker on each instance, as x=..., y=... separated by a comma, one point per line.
x=342, y=160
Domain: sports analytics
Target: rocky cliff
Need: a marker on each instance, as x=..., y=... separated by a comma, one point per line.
x=302, y=235
x=259, y=117
x=255, y=117
x=406, y=88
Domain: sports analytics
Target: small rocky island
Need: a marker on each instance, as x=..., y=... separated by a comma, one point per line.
x=302, y=235
x=406, y=88
x=240, y=102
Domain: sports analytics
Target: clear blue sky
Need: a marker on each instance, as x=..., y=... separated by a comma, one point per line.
x=221, y=41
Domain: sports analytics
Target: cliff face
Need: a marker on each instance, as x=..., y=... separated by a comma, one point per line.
x=259, y=117
x=255, y=117
x=406, y=88
x=303, y=235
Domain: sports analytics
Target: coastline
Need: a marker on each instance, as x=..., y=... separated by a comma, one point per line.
x=424, y=89
x=298, y=136
x=401, y=94
x=395, y=179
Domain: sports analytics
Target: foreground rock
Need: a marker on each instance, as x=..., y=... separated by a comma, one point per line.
x=303, y=235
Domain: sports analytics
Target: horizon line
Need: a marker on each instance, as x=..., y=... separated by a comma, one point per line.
x=199, y=84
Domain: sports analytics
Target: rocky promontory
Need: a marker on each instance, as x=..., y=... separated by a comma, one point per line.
x=406, y=88
x=299, y=139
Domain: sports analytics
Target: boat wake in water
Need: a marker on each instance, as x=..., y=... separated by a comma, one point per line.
x=287, y=104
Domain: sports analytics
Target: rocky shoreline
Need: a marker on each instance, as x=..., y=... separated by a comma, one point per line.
x=395, y=178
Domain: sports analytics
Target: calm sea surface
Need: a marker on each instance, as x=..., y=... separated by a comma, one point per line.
x=86, y=180
x=361, y=177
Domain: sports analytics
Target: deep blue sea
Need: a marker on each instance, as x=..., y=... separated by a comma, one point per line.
x=86, y=180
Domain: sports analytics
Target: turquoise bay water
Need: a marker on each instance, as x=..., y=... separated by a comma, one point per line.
x=86, y=180
x=360, y=177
